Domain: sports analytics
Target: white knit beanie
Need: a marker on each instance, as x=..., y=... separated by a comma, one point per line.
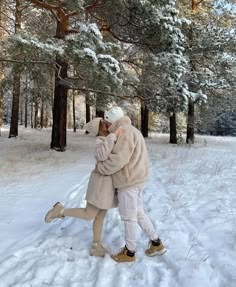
x=93, y=126
x=113, y=114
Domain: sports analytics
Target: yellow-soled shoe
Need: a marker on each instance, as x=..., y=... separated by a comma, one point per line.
x=124, y=256
x=157, y=249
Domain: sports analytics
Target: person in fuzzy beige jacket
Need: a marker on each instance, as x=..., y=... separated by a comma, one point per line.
x=100, y=194
x=128, y=164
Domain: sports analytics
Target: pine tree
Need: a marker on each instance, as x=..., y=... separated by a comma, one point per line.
x=78, y=44
x=163, y=73
x=207, y=38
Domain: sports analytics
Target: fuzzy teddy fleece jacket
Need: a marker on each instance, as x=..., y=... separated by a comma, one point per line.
x=128, y=162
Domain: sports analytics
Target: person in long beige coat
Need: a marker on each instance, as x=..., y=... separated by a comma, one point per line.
x=101, y=194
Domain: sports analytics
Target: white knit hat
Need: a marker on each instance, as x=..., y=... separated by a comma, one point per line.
x=113, y=114
x=93, y=126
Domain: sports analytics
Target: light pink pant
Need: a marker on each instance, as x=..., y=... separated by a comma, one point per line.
x=131, y=212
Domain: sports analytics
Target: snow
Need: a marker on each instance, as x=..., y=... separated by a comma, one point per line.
x=91, y=28
x=190, y=198
x=90, y=53
x=110, y=64
x=56, y=46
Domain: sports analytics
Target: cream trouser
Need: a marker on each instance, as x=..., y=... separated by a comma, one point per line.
x=89, y=213
x=131, y=212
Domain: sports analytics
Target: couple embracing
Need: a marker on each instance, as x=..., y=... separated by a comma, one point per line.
x=121, y=171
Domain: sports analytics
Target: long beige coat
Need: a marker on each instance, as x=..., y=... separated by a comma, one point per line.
x=101, y=192
x=128, y=162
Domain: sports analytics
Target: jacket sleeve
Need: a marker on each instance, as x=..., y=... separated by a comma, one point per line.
x=104, y=147
x=119, y=157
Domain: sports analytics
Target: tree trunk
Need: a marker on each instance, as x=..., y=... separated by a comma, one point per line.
x=173, y=129
x=42, y=115
x=15, y=105
x=36, y=111
x=26, y=109
x=1, y=95
x=46, y=117
x=58, y=141
x=26, y=103
x=52, y=84
x=74, y=120
x=194, y=5
x=88, y=117
x=190, y=123
x=21, y=113
x=16, y=80
x=3, y=36
x=144, y=120
x=32, y=114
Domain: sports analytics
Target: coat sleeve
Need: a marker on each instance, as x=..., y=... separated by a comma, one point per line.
x=120, y=156
x=104, y=147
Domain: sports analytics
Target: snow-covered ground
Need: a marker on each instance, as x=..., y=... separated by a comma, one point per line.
x=191, y=199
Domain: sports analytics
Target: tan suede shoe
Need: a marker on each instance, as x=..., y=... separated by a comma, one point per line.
x=98, y=249
x=55, y=212
x=124, y=256
x=155, y=250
